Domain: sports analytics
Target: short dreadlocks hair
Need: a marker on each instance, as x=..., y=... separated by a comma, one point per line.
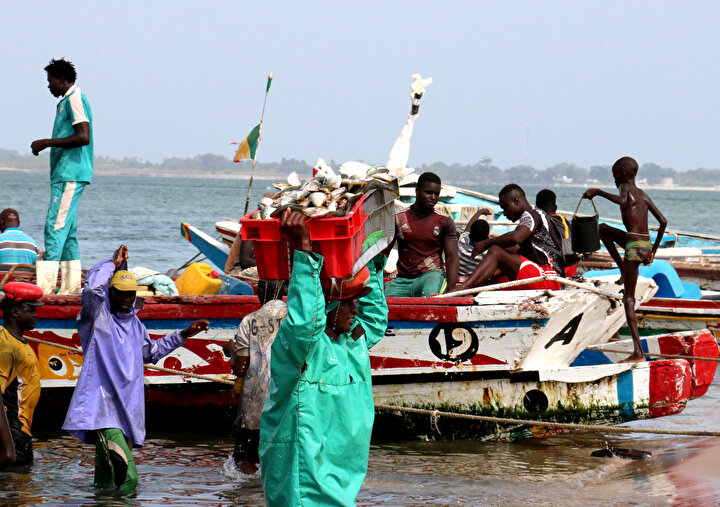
x=62, y=69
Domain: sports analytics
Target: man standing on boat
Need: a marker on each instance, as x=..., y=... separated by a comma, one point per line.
x=108, y=405
x=19, y=377
x=316, y=424
x=423, y=235
x=522, y=253
x=71, y=169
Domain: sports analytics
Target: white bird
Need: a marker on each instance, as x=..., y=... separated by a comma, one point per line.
x=419, y=84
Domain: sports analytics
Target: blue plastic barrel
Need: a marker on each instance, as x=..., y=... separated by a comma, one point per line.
x=234, y=287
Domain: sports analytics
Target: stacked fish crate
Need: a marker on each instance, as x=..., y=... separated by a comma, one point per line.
x=347, y=239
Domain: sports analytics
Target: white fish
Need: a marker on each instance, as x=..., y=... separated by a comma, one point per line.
x=317, y=198
x=294, y=179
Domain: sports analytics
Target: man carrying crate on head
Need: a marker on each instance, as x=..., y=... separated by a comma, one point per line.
x=316, y=424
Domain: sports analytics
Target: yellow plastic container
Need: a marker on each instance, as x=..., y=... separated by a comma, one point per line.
x=198, y=279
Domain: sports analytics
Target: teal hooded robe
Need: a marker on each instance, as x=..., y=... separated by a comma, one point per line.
x=316, y=423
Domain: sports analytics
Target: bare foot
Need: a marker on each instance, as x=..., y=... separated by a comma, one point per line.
x=636, y=357
x=247, y=467
x=620, y=281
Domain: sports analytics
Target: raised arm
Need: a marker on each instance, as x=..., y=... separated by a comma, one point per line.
x=593, y=192
x=373, y=309
x=481, y=212
x=306, y=302
x=95, y=291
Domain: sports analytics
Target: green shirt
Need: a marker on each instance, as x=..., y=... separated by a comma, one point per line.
x=71, y=164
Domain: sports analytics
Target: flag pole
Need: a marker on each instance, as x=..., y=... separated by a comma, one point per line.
x=252, y=171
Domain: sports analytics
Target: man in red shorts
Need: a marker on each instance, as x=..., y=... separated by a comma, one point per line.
x=522, y=253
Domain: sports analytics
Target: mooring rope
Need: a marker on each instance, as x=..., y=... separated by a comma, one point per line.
x=435, y=415
x=148, y=366
x=516, y=283
x=667, y=356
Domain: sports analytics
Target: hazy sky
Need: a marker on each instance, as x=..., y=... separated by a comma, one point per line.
x=596, y=80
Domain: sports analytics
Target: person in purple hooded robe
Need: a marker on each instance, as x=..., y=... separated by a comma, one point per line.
x=108, y=405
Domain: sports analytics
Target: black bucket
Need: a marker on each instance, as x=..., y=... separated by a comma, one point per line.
x=585, y=231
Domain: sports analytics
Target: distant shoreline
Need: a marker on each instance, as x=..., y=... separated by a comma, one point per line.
x=153, y=173
x=157, y=174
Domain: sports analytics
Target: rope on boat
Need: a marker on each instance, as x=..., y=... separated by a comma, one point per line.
x=516, y=283
x=12, y=269
x=436, y=414
x=147, y=365
x=651, y=354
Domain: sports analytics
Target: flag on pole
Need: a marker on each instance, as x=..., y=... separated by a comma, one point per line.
x=248, y=146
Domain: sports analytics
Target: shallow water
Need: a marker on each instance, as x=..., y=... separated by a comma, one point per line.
x=183, y=469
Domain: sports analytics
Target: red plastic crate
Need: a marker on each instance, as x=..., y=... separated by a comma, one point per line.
x=338, y=239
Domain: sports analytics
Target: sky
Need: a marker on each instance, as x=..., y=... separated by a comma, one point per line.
x=520, y=82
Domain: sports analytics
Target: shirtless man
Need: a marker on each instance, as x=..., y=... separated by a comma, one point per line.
x=634, y=207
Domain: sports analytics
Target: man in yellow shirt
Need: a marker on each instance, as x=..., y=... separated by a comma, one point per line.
x=19, y=378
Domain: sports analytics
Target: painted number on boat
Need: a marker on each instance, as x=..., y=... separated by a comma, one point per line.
x=453, y=342
x=567, y=333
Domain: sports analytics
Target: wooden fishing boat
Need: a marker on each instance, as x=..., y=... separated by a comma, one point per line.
x=700, y=266
x=677, y=306
x=500, y=353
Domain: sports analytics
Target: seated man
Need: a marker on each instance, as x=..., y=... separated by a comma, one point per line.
x=16, y=247
x=532, y=235
x=546, y=201
x=477, y=229
x=423, y=236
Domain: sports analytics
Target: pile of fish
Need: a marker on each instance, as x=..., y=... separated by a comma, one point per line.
x=325, y=195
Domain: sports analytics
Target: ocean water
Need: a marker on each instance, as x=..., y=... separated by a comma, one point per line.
x=193, y=469
x=145, y=212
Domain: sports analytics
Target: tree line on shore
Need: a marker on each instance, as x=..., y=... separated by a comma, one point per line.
x=481, y=173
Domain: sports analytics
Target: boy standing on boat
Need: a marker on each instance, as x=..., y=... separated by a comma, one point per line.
x=251, y=365
x=108, y=405
x=316, y=424
x=71, y=168
x=522, y=253
x=19, y=377
x=424, y=235
x=634, y=207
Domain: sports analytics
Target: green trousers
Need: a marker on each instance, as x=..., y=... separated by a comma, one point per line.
x=425, y=285
x=114, y=464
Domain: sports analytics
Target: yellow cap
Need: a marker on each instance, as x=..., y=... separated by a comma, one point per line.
x=124, y=280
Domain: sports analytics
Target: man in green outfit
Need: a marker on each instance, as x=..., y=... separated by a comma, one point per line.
x=71, y=168
x=316, y=424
